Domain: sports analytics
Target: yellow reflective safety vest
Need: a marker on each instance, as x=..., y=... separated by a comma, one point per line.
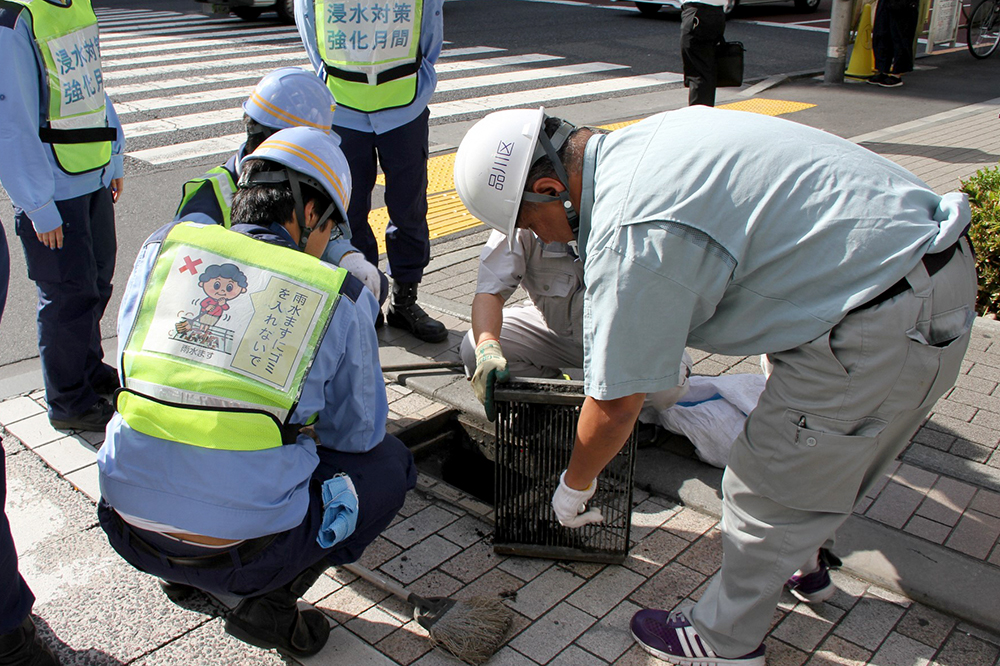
x=223, y=187
x=227, y=329
x=371, y=51
x=76, y=117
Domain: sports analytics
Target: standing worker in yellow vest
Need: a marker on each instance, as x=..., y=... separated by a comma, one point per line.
x=286, y=97
x=378, y=60
x=63, y=173
x=249, y=454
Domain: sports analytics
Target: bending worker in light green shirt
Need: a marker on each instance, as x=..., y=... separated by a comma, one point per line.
x=742, y=234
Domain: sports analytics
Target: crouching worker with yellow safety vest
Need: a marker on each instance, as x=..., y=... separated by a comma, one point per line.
x=248, y=451
x=286, y=97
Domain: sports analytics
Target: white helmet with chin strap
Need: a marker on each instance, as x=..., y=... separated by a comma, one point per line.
x=310, y=156
x=493, y=161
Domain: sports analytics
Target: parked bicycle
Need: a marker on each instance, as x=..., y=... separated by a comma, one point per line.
x=983, y=29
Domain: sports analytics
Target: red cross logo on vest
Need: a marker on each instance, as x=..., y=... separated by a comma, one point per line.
x=190, y=265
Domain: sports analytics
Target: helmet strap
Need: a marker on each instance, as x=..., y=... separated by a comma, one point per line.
x=551, y=150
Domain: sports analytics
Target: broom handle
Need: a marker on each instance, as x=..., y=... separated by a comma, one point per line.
x=378, y=581
x=427, y=365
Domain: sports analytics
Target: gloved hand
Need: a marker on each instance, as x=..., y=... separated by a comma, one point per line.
x=570, y=506
x=356, y=264
x=491, y=367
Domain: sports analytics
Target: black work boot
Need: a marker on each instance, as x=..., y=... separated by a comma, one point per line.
x=273, y=620
x=23, y=647
x=405, y=313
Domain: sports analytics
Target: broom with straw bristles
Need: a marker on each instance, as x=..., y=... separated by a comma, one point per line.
x=470, y=630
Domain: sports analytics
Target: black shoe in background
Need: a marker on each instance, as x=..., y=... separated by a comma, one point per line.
x=405, y=313
x=23, y=647
x=94, y=419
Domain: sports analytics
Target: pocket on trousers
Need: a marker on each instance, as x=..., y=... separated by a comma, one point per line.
x=815, y=463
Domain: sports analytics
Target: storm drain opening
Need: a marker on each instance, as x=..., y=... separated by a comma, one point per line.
x=516, y=467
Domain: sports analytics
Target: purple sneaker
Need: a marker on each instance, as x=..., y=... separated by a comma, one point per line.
x=814, y=588
x=671, y=637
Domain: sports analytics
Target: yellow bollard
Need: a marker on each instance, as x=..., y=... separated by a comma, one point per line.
x=862, y=64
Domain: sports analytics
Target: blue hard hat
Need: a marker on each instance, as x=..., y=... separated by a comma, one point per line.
x=291, y=97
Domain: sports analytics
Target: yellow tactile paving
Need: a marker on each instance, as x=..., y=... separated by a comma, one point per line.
x=767, y=107
x=445, y=212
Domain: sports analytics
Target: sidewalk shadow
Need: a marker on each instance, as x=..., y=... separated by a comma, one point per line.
x=950, y=154
x=68, y=655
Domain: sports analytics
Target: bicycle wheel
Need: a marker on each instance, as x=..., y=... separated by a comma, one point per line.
x=983, y=30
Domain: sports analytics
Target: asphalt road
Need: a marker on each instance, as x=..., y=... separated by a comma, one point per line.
x=777, y=39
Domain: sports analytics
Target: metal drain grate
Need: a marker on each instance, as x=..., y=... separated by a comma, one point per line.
x=535, y=430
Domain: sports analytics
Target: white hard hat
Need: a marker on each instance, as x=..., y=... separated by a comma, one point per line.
x=492, y=165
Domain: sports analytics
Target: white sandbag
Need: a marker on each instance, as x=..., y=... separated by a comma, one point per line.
x=712, y=413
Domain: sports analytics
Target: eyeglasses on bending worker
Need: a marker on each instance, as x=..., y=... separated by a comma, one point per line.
x=741, y=234
x=248, y=451
x=286, y=97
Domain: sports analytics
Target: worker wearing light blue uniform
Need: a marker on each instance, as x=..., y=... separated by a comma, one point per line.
x=742, y=234
x=261, y=523
x=64, y=213
x=391, y=133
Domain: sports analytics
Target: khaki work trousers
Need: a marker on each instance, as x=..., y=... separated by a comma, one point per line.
x=834, y=414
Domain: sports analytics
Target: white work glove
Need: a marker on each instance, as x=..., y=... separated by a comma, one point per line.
x=570, y=506
x=356, y=264
x=491, y=367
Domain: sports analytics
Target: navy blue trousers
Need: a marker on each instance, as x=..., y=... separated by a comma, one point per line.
x=15, y=597
x=382, y=478
x=74, y=286
x=892, y=36
x=402, y=153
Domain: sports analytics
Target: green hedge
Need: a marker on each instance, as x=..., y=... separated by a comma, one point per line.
x=984, y=196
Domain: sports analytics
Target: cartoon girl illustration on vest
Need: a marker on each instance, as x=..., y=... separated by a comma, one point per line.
x=221, y=284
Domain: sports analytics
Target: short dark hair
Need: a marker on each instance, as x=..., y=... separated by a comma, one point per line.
x=567, y=152
x=256, y=133
x=264, y=204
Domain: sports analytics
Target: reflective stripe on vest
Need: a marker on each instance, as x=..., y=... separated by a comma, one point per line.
x=77, y=121
x=226, y=332
x=223, y=186
x=371, y=50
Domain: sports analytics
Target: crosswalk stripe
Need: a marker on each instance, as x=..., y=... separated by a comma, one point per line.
x=158, y=18
x=184, y=82
x=472, y=50
x=203, y=97
x=222, y=53
x=150, y=38
x=178, y=26
x=188, y=121
x=189, y=44
x=275, y=59
x=520, y=76
x=532, y=97
x=502, y=61
x=190, y=149
x=219, y=77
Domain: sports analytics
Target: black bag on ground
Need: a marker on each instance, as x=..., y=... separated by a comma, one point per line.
x=729, y=64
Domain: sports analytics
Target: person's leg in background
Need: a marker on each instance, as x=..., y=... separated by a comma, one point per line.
x=69, y=311
x=403, y=154
x=103, y=377
x=19, y=644
x=359, y=149
x=702, y=28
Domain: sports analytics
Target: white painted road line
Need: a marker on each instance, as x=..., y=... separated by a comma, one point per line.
x=175, y=123
x=112, y=63
x=534, y=97
x=291, y=58
x=520, y=76
x=502, y=61
x=191, y=149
